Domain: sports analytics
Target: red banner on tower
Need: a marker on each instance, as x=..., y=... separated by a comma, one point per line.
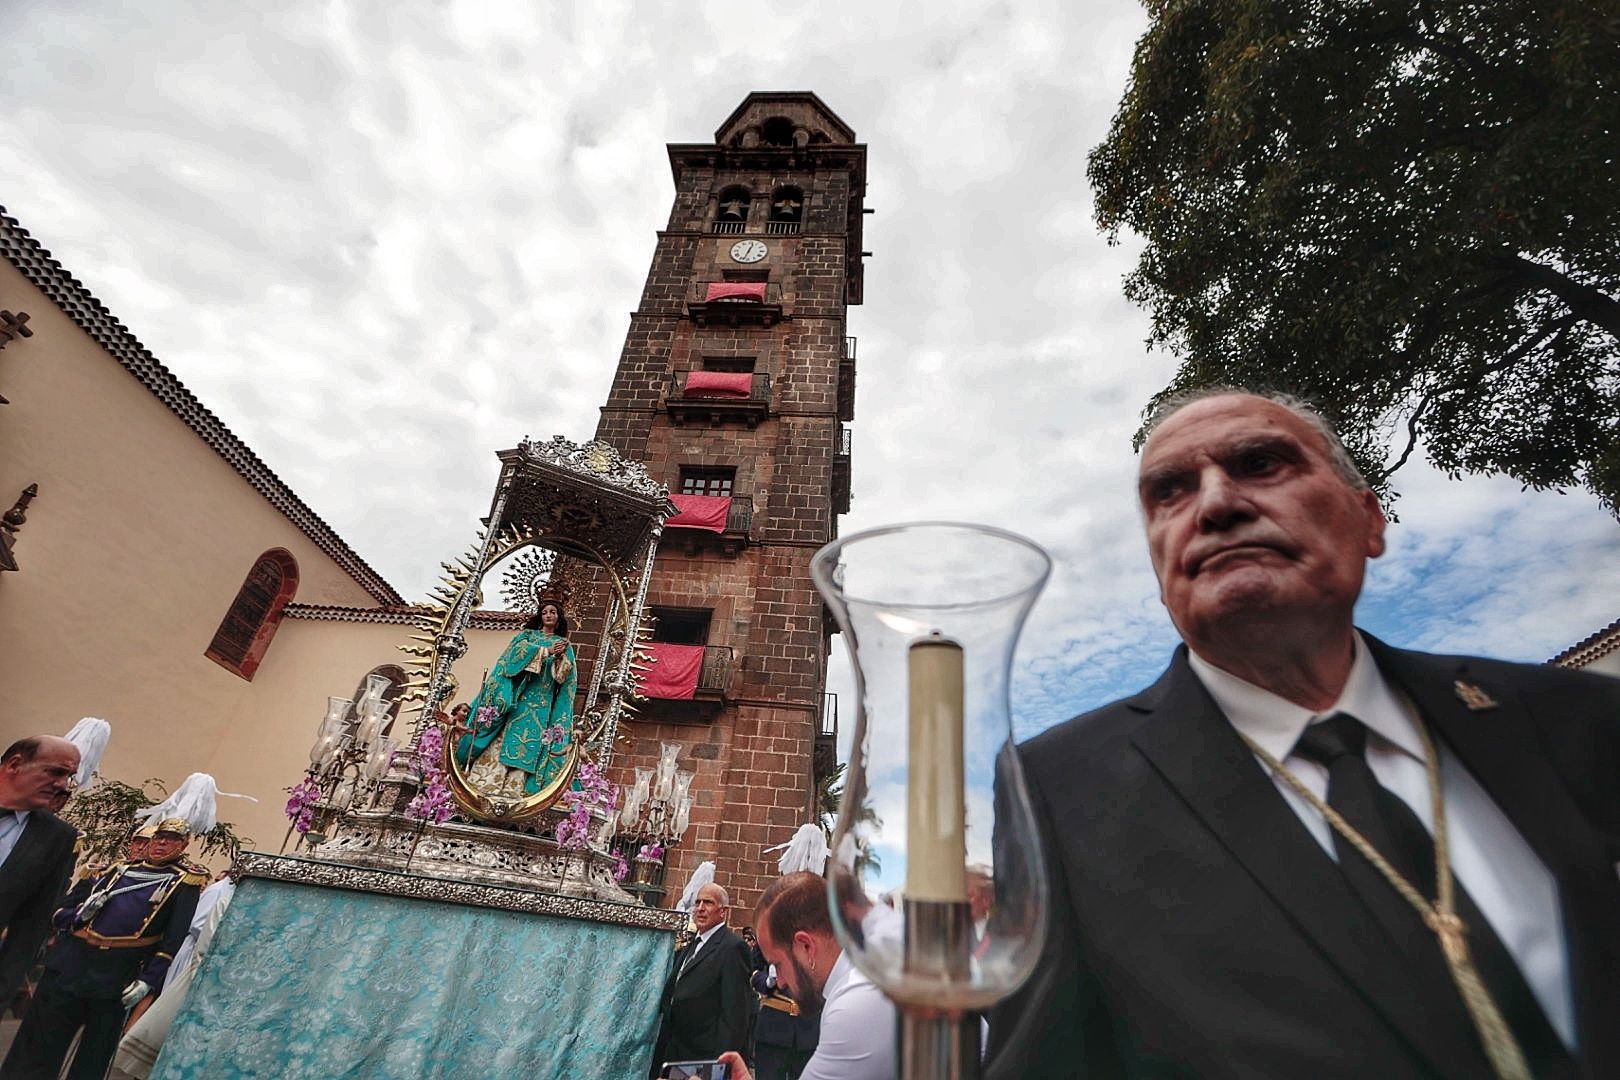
x=700, y=512
x=674, y=676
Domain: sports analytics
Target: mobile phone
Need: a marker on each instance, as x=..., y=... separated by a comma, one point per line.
x=694, y=1070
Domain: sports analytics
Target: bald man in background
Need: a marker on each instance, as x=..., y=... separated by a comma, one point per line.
x=36, y=848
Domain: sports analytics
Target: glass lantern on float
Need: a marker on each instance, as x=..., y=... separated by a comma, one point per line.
x=654, y=813
x=936, y=817
x=348, y=759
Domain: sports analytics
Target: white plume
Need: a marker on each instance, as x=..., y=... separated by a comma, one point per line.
x=703, y=875
x=90, y=735
x=195, y=800
x=806, y=851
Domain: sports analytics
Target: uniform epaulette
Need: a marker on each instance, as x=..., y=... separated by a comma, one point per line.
x=193, y=873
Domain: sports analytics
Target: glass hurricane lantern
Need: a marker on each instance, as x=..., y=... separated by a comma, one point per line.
x=935, y=808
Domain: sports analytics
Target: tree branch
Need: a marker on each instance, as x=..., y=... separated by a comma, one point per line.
x=1585, y=302
x=1518, y=353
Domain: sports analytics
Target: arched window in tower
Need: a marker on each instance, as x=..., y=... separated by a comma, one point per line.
x=787, y=210
x=731, y=214
x=244, y=634
x=777, y=131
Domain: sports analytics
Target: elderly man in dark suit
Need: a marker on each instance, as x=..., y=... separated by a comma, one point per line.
x=708, y=1004
x=1249, y=877
x=36, y=848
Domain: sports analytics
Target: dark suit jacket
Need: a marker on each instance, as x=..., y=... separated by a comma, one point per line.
x=709, y=1008
x=1199, y=930
x=32, y=879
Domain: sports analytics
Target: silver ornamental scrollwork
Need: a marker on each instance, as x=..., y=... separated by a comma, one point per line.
x=597, y=460
x=254, y=864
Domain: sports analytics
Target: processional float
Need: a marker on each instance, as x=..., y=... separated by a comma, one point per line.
x=434, y=921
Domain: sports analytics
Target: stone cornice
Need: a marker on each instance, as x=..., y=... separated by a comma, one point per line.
x=398, y=615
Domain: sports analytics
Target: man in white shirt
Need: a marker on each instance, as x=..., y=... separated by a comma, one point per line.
x=857, y=1021
x=1210, y=917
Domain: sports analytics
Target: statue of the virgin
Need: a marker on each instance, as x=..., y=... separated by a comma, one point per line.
x=522, y=721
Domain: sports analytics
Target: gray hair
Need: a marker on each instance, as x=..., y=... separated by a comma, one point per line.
x=1338, y=456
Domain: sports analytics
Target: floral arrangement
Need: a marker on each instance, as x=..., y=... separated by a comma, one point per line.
x=301, y=807
x=485, y=717
x=595, y=792
x=651, y=851
x=621, y=870
x=432, y=803
x=554, y=735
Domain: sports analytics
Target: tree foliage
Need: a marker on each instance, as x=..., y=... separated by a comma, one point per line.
x=105, y=816
x=829, y=801
x=1408, y=212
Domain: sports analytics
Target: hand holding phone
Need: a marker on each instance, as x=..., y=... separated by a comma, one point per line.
x=695, y=1070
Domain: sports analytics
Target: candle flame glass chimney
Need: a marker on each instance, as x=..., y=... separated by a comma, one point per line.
x=935, y=809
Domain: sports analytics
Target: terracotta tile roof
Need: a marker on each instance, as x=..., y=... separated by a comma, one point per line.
x=1600, y=644
x=92, y=316
x=399, y=615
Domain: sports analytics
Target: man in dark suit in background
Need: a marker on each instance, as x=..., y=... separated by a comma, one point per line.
x=708, y=1005
x=36, y=848
x=1209, y=918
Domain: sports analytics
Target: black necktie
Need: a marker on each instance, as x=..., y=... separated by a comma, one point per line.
x=1339, y=743
x=691, y=951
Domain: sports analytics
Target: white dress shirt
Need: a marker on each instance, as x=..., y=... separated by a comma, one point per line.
x=697, y=944
x=882, y=923
x=857, y=1029
x=1514, y=890
x=12, y=824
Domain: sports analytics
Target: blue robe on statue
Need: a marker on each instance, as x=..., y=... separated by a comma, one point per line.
x=534, y=721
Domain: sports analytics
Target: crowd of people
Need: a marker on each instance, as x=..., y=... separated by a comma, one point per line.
x=124, y=940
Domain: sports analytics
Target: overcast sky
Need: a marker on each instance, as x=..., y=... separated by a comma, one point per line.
x=383, y=241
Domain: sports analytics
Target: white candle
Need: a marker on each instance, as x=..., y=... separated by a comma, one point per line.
x=936, y=819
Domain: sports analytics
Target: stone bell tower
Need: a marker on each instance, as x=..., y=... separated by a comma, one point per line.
x=736, y=380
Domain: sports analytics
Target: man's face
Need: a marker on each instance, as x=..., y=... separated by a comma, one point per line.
x=139, y=848
x=793, y=977
x=709, y=909
x=38, y=784
x=1246, y=517
x=165, y=846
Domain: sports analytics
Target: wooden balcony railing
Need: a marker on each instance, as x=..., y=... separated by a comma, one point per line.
x=739, y=525
x=840, y=470
x=846, y=381
x=708, y=697
x=683, y=406
x=824, y=755
x=734, y=312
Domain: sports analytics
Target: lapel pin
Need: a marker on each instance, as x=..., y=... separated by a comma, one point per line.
x=1472, y=696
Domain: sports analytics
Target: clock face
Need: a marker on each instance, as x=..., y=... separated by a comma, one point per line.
x=749, y=251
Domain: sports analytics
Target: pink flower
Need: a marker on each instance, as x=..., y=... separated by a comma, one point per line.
x=300, y=808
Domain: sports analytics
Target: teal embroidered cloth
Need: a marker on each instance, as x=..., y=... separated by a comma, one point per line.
x=305, y=981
